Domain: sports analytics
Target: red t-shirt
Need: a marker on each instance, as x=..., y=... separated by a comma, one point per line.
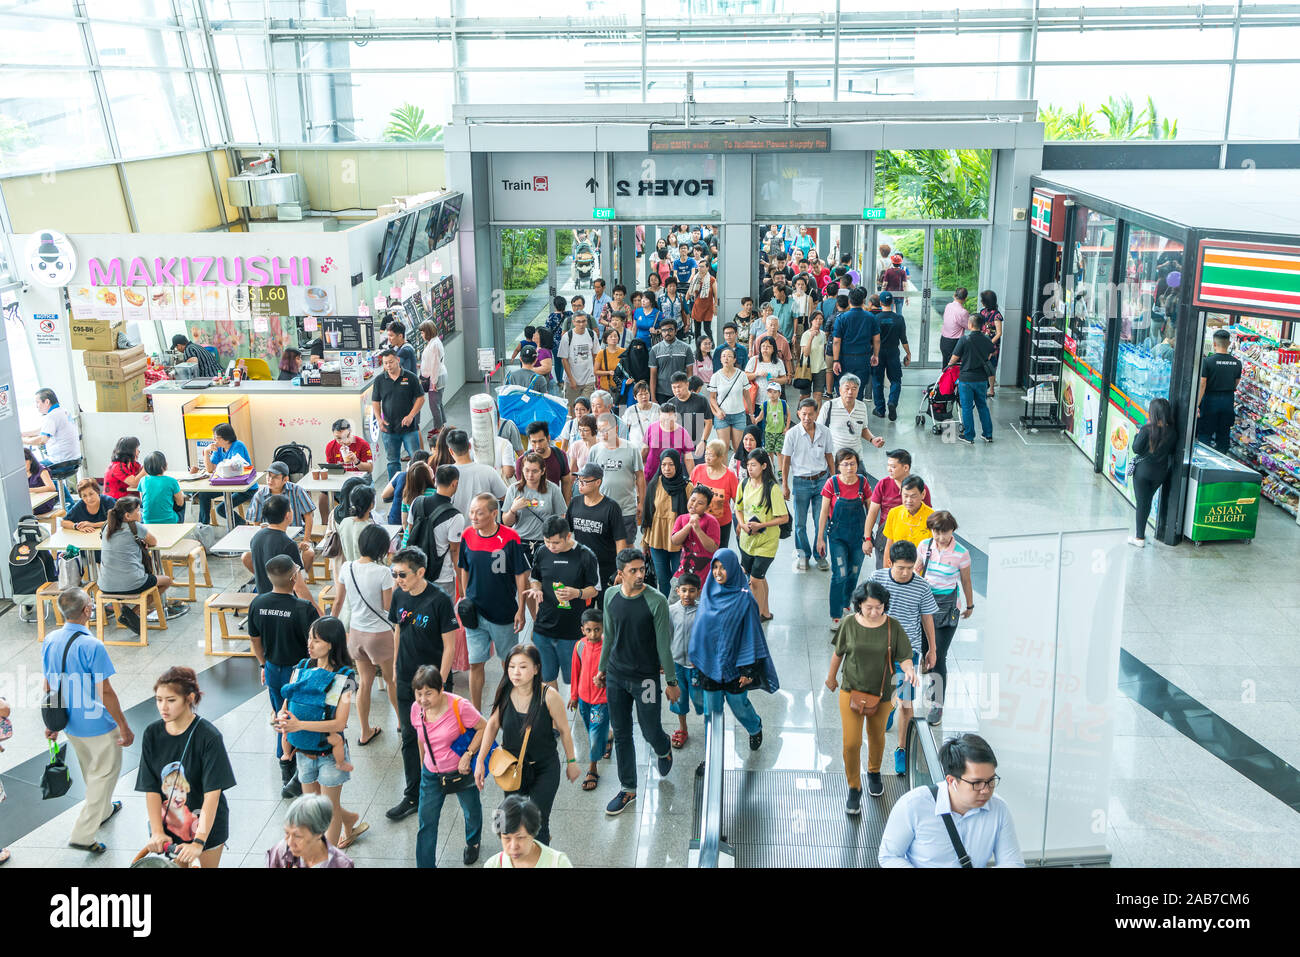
x=887, y=494
x=727, y=486
x=556, y=467
x=360, y=448
x=695, y=557
x=116, y=476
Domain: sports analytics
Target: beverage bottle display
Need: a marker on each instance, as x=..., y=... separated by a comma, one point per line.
x=1089, y=412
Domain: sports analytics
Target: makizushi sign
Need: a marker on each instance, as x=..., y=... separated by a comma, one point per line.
x=1248, y=277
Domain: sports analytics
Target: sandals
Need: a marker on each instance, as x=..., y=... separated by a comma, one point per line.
x=767, y=617
x=679, y=738
x=117, y=806
x=4, y=855
x=609, y=748
x=98, y=847
x=352, y=838
x=592, y=779
x=362, y=744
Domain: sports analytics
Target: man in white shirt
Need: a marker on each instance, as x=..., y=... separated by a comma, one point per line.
x=57, y=435
x=918, y=833
x=807, y=454
x=847, y=418
x=475, y=477
x=577, y=350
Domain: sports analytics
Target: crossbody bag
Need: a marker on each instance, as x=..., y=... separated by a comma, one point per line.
x=963, y=859
x=357, y=588
x=453, y=782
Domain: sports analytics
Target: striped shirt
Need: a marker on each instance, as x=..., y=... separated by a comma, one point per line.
x=300, y=503
x=908, y=601
x=846, y=427
x=943, y=566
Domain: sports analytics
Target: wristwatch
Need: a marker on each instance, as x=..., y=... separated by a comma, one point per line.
x=671, y=683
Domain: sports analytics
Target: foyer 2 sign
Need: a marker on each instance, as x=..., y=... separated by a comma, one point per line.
x=666, y=185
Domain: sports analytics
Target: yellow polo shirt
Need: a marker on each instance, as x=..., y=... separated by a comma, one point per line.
x=903, y=527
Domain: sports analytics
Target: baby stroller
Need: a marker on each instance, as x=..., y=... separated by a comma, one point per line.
x=584, y=262
x=939, y=400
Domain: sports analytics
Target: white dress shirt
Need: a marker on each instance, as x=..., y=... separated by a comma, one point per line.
x=915, y=835
x=808, y=453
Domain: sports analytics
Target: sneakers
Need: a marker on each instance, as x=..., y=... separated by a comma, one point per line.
x=131, y=618
x=404, y=809
x=962, y=438
x=800, y=564
x=618, y=804
x=665, y=764
x=900, y=761
x=893, y=413
x=756, y=740
x=989, y=439
x=1137, y=542
x=853, y=806
x=878, y=413
x=875, y=786
x=823, y=564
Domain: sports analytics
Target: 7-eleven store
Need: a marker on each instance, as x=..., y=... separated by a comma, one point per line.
x=1141, y=267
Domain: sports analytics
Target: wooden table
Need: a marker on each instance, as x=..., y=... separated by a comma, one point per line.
x=40, y=498
x=241, y=539
x=195, y=484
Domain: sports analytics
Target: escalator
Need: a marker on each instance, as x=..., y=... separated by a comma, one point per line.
x=771, y=818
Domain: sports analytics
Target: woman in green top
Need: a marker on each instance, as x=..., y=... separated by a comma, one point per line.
x=758, y=512
x=164, y=502
x=867, y=645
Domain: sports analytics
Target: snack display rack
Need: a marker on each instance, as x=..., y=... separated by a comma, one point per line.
x=1266, y=434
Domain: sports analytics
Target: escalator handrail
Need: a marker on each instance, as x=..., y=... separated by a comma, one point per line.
x=920, y=736
x=715, y=733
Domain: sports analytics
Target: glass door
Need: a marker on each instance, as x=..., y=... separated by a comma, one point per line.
x=911, y=290
x=535, y=265
x=955, y=264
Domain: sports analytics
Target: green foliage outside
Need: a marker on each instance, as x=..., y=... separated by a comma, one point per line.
x=938, y=184
x=1116, y=119
x=523, y=261
x=406, y=125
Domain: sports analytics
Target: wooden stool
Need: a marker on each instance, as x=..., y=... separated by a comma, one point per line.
x=189, y=552
x=319, y=561
x=326, y=599
x=218, y=605
x=141, y=601
x=53, y=518
x=47, y=592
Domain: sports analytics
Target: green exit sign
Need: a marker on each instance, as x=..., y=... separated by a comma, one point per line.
x=874, y=212
x=602, y=213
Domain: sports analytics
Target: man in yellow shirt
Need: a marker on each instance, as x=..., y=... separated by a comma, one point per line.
x=906, y=522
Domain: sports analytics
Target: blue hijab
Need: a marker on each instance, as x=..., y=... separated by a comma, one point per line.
x=728, y=633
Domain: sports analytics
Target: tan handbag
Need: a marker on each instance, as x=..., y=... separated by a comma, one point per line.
x=508, y=769
x=867, y=703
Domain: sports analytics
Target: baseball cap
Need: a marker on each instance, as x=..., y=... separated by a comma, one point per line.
x=279, y=468
x=896, y=259
x=773, y=386
x=591, y=471
x=886, y=297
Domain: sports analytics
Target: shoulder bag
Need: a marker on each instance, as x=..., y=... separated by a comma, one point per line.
x=963, y=859
x=455, y=781
x=866, y=703
x=54, y=706
x=331, y=546
x=507, y=769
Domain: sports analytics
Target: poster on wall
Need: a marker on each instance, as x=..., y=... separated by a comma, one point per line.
x=82, y=299
x=189, y=308
x=162, y=303
x=48, y=334
x=442, y=303
x=214, y=303
x=1080, y=408
x=108, y=303
x=311, y=301
x=1120, y=433
x=135, y=303
x=241, y=309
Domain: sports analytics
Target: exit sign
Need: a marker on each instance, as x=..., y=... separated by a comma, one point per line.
x=602, y=213
x=874, y=212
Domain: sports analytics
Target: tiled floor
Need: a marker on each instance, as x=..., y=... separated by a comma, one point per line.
x=1219, y=622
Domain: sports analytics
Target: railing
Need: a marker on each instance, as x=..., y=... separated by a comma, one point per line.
x=923, y=767
x=711, y=848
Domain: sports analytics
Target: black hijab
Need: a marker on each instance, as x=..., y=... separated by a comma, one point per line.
x=741, y=455
x=636, y=361
x=675, y=487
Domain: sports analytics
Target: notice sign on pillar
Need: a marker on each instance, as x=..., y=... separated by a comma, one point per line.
x=48, y=334
x=6, y=402
x=350, y=368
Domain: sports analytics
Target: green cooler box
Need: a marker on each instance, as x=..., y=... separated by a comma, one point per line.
x=1222, y=498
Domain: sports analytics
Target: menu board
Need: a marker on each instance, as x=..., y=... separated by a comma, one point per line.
x=443, y=306
x=351, y=333
x=416, y=312
x=108, y=303
x=162, y=302
x=82, y=299
x=135, y=303
x=214, y=303
x=188, y=305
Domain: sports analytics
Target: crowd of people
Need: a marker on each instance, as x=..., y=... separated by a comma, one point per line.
x=619, y=563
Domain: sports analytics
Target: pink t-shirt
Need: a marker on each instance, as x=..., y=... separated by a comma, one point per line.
x=438, y=755
x=695, y=557
x=657, y=441
x=955, y=318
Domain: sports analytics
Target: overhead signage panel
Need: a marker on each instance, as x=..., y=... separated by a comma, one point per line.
x=741, y=140
x=541, y=187
x=814, y=185
x=667, y=186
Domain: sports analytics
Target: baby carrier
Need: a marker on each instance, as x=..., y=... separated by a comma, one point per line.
x=306, y=700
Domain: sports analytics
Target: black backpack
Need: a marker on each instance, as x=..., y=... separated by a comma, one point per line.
x=297, y=457
x=422, y=536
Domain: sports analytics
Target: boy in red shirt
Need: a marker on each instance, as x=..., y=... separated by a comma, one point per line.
x=887, y=494
x=588, y=700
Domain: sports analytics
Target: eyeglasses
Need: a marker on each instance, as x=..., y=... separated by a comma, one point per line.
x=986, y=785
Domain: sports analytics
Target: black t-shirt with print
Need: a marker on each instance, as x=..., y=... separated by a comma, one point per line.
x=576, y=568
x=281, y=621
x=396, y=398
x=599, y=528
x=1221, y=372
x=422, y=619
x=266, y=544
x=183, y=783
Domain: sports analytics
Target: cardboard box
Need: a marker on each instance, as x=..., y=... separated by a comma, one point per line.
x=118, y=373
x=127, y=396
x=115, y=359
x=95, y=334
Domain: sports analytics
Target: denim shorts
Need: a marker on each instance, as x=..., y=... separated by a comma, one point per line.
x=479, y=640
x=906, y=693
x=691, y=693
x=733, y=420
x=313, y=768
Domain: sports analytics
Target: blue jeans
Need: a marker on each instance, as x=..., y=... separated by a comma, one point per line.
x=432, y=797
x=394, y=442
x=595, y=718
x=846, y=563
x=557, y=655
x=277, y=676
x=807, y=499
x=237, y=499
x=740, y=706
x=892, y=365
x=975, y=393
x=666, y=563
